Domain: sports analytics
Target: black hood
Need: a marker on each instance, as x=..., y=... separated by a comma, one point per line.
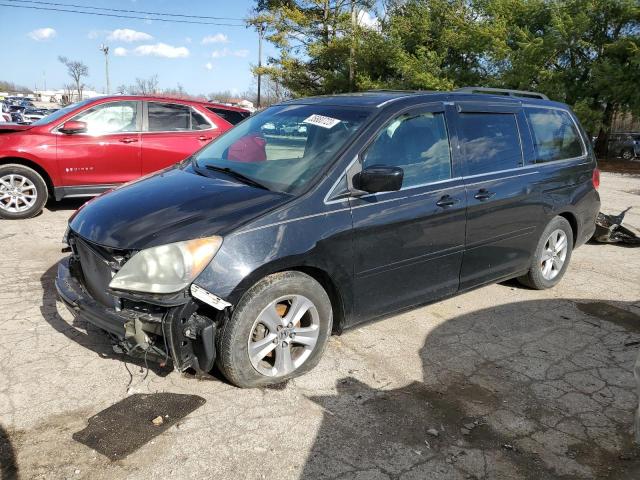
x=174, y=205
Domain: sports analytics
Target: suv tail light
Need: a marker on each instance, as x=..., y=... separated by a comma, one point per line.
x=595, y=178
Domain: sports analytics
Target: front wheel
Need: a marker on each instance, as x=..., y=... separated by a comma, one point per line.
x=278, y=331
x=23, y=192
x=552, y=255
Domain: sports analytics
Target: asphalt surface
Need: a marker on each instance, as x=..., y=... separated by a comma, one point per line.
x=501, y=382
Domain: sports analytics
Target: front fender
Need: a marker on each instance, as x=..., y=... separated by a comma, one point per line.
x=322, y=242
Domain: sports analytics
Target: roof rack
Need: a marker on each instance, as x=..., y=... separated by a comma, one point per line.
x=503, y=91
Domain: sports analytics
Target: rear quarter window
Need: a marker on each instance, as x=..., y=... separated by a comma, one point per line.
x=554, y=133
x=231, y=116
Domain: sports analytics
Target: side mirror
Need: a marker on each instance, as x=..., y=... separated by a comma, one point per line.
x=72, y=127
x=378, y=178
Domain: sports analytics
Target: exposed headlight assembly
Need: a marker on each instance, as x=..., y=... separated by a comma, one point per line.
x=166, y=268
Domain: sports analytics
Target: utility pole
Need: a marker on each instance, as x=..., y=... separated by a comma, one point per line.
x=261, y=29
x=105, y=49
x=352, y=48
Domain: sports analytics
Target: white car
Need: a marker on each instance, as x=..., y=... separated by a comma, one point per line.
x=5, y=116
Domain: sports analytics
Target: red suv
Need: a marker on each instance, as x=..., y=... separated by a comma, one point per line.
x=93, y=145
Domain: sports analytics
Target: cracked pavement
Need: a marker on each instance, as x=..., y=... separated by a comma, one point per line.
x=501, y=382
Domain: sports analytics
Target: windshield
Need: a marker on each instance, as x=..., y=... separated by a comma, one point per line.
x=285, y=146
x=52, y=117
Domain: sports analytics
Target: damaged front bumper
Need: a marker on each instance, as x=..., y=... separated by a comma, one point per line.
x=184, y=333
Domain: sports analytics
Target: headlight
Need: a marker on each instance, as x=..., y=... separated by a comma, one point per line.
x=167, y=268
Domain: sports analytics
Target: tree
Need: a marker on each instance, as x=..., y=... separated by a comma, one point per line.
x=145, y=86
x=76, y=70
x=582, y=52
x=12, y=87
x=317, y=54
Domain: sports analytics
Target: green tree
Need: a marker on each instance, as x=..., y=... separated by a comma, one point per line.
x=582, y=52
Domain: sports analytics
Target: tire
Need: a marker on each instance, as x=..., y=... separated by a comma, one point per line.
x=28, y=183
x=627, y=154
x=540, y=276
x=253, y=321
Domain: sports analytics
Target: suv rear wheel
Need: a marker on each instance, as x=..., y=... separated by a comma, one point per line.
x=627, y=154
x=278, y=331
x=23, y=192
x=552, y=255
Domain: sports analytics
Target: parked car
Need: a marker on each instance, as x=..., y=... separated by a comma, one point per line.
x=91, y=146
x=31, y=114
x=5, y=113
x=625, y=145
x=249, y=254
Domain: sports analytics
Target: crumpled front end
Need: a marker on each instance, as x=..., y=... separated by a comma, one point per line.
x=179, y=327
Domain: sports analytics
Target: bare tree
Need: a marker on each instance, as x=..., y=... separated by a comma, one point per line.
x=145, y=86
x=67, y=96
x=121, y=89
x=76, y=71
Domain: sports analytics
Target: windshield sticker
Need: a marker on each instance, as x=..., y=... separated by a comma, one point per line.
x=322, y=121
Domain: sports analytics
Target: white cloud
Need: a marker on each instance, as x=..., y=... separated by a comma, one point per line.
x=128, y=35
x=42, y=34
x=120, y=52
x=217, y=38
x=225, y=52
x=208, y=66
x=365, y=19
x=162, y=50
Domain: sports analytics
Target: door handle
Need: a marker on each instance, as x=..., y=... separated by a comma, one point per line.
x=484, y=194
x=128, y=140
x=447, y=201
x=203, y=138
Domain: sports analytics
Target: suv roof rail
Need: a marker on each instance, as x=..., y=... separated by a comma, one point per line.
x=503, y=91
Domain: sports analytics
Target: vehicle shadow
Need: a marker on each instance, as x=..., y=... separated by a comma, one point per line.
x=8, y=463
x=535, y=389
x=66, y=204
x=82, y=332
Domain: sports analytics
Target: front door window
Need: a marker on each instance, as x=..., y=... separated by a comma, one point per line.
x=113, y=117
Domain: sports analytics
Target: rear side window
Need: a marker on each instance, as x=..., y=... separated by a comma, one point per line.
x=173, y=117
x=231, y=116
x=168, y=117
x=490, y=142
x=554, y=134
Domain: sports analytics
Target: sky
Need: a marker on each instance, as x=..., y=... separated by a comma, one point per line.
x=201, y=58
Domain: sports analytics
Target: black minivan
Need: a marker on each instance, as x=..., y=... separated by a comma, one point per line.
x=250, y=253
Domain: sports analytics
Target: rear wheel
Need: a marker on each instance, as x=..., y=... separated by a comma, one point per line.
x=23, y=192
x=627, y=154
x=278, y=331
x=551, y=257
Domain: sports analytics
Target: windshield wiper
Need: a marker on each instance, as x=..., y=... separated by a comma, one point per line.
x=237, y=176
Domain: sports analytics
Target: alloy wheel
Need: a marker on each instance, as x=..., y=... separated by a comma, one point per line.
x=284, y=335
x=554, y=254
x=17, y=193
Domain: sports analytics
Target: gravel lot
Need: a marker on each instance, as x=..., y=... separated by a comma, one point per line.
x=502, y=382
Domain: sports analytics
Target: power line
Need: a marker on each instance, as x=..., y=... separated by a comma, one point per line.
x=124, y=11
x=170, y=20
